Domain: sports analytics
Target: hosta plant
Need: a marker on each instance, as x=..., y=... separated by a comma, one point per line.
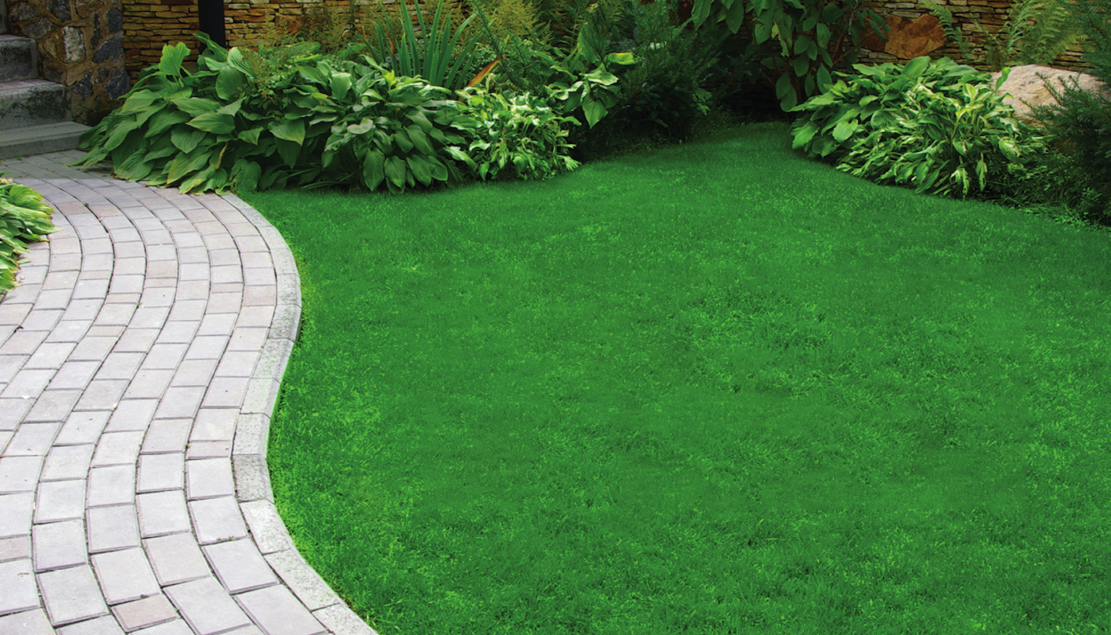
x=24, y=219
x=520, y=134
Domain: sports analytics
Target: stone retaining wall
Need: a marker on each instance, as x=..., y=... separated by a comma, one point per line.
x=80, y=46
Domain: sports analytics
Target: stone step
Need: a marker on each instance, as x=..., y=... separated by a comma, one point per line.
x=17, y=58
x=29, y=140
x=32, y=102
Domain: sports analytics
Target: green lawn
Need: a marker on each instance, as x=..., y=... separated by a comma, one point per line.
x=710, y=389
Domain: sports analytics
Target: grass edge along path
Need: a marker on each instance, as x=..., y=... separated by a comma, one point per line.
x=713, y=389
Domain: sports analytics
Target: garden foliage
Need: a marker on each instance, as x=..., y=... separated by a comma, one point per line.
x=800, y=43
x=24, y=219
x=937, y=126
x=316, y=121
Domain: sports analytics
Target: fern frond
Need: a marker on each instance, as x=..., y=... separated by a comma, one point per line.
x=945, y=17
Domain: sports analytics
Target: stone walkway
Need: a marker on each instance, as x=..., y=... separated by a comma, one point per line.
x=139, y=365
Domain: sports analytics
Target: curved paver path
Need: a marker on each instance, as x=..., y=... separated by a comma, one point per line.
x=139, y=365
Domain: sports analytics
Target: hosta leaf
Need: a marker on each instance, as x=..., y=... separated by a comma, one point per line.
x=214, y=122
x=401, y=138
x=420, y=140
x=420, y=169
x=373, y=169
x=395, y=172
x=120, y=133
x=228, y=82
x=245, y=175
x=289, y=130
x=185, y=139
x=163, y=120
x=804, y=134
x=172, y=58
x=594, y=111
x=134, y=168
x=915, y=67
x=185, y=164
x=289, y=151
x=340, y=84
x=196, y=105
x=844, y=129
x=250, y=136
x=801, y=65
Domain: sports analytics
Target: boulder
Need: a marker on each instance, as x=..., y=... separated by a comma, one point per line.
x=1026, y=87
x=908, y=38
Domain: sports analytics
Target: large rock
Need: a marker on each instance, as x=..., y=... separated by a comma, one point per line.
x=1026, y=87
x=908, y=39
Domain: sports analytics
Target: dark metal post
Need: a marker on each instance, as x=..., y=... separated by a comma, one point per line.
x=210, y=14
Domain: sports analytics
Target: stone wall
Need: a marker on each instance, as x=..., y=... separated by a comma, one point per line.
x=909, y=15
x=80, y=45
x=150, y=24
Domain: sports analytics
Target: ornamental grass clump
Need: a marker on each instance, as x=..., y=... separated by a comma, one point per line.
x=938, y=127
x=24, y=219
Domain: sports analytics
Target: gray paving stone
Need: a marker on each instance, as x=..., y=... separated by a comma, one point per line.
x=193, y=290
x=131, y=266
x=224, y=302
x=255, y=316
x=187, y=312
x=120, y=366
x=15, y=514
x=32, y=439
x=15, y=548
x=266, y=527
x=93, y=349
x=164, y=356
x=179, y=332
x=176, y=558
x=180, y=403
x=112, y=528
x=74, y=375
x=115, y=313
x=252, y=434
x=149, y=318
x=222, y=324
x=71, y=595
x=132, y=415
x=26, y=623
x=19, y=473
x=252, y=478
x=113, y=485
x=194, y=372
x=126, y=284
x=342, y=620
x=53, y=406
x=149, y=384
x=208, y=347
x=59, y=545
x=160, y=472
x=239, y=566
x=18, y=582
x=82, y=428
x=22, y=342
x=278, y=612
x=137, y=340
x=12, y=412
x=259, y=277
x=67, y=462
x=145, y=613
x=10, y=365
x=216, y=520
x=206, y=606
x=27, y=384
x=82, y=310
x=226, y=392
x=157, y=297
x=238, y=364
x=125, y=575
x=105, y=625
x=42, y=320
x=13, y=313
x=91, y=288
x=60, y=500
x=107, y=331
x=208, y=478
x=214, y=424
x=50, y=355
x=208, y=450
x=176, y=627
x=309, y=587
x=162, y=513
x=102, y=394
x=117, y=448
x=167, y=436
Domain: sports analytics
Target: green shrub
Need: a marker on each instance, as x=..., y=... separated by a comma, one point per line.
x=800, y=43
x=521, y=132
x=24, y=219
x=1078, y=126
x=935, y=126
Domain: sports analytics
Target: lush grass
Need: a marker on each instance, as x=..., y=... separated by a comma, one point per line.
x=711, y=389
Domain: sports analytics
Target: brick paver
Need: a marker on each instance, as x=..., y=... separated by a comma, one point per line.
x=139, y=365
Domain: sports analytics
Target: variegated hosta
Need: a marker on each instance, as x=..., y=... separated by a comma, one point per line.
x=24, y=218
x=941, y=143
x=935, y=126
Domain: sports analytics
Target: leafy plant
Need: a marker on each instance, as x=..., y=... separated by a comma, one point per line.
x=935, y=126
x=799, y=42
x=521, y=132
x=848, y=108
x=24, y=219
x=1035, y=32
x=429, y=56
